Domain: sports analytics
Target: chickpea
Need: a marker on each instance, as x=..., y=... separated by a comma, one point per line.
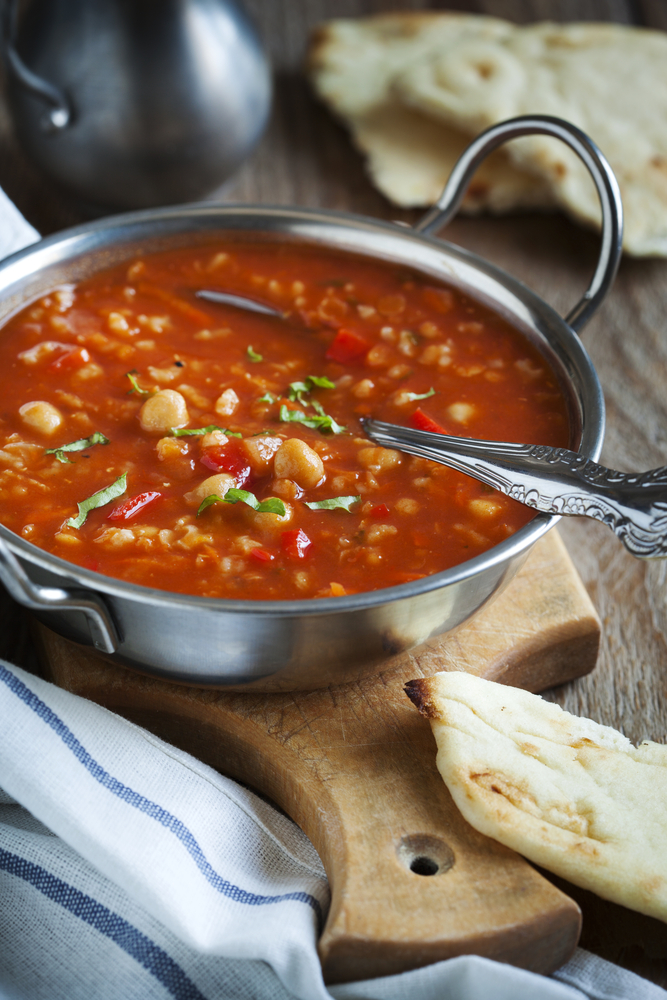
x=379, y=531
x=363, y=388
x=298, y=461
x=286, y=489
x=406, y=505
x=379, y=356
x=485, y=508
x=41, y=416
x=260, y=451
x=214, y=439
x=379, y=459
x=226, y=403
x=170, y=447
x=461, y=412
x=218, y=484
x=266, y=522
x=164, y=410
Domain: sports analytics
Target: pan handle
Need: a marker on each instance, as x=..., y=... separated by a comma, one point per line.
x=603, y=176
x=102, y=629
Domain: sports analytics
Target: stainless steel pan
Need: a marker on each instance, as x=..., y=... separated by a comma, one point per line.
x=309, y=643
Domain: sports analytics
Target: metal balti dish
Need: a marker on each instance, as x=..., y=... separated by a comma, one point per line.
x=282, y=645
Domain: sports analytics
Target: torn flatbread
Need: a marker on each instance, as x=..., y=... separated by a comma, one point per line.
x=467, y=72
x=569, y=794
x=353, y=65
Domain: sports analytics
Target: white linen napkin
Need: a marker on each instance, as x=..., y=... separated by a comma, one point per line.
x=131, y=871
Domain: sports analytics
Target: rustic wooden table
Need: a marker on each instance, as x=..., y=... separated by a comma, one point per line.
x=306, y=159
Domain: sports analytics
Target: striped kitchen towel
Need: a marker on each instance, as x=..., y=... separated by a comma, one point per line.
x=130, y=870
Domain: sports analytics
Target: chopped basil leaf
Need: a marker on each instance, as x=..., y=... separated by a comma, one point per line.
x=270, y=506
x=296, y=389
x=98, y=499
x=321, y=381
x=253, y=355
x=344, y=503
x=268, y=397
x=188, y=432
x=412, y=396
x=79, y=445
x=321, y=422
x=135, y=385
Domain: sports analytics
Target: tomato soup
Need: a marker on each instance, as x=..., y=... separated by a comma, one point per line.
x=206, y=449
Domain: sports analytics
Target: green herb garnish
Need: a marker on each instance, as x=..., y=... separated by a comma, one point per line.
x=297, y=389
x=268, y=397
x=321, y=421
x=321, y=382
x=135, y=385
x=98, y=499
x=79, y=445
x=189, y=432
x=335, y=503
x=270, y=506
x=253, y=355
x=412, y=396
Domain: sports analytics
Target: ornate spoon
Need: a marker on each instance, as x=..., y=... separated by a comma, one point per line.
x=552, y=480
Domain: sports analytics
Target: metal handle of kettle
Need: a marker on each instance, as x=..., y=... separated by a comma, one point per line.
x=103, y=632
x=603, y=176
x=59, y=114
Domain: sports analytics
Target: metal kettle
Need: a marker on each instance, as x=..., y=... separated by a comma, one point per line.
x=136, y=103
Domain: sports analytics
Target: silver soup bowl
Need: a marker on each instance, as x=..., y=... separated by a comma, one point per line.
x=305, y=644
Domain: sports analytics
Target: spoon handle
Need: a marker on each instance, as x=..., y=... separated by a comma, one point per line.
x=552, y=480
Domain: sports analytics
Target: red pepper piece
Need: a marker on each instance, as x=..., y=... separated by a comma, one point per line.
x=346, y=346
x=295, y=543
x=70, y=360
x=422, y=422
x=262, y=556
x=130, y=508
x=379, y=510
x=231, y=458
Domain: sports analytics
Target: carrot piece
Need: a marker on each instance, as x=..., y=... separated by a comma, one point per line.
x=185, y=308
x=262, y=555
x=70, y=360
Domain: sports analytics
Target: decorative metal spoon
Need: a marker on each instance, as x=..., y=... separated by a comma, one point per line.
x=552, y=480
x=240, y=301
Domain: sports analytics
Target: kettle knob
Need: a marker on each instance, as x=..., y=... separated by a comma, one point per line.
x=129, y=104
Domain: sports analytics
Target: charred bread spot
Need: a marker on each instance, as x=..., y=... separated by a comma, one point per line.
x=418, y=691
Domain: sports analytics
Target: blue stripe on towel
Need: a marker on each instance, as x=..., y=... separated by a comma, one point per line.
x=144, y=805
x=137, y=945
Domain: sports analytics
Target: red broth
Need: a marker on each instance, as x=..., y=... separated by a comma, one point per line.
x=114, y=370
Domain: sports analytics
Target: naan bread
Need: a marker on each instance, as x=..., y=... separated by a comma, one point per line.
x=467, y=72
x=567, y=793
x=354, y=65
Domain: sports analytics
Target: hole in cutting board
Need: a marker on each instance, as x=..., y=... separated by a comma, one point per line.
x=424, y=866
x=423, y=854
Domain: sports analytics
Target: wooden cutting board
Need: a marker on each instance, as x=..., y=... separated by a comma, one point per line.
x=412, y=883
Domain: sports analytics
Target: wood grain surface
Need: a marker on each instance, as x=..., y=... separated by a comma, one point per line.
x=354, y=765
x=305, y=158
